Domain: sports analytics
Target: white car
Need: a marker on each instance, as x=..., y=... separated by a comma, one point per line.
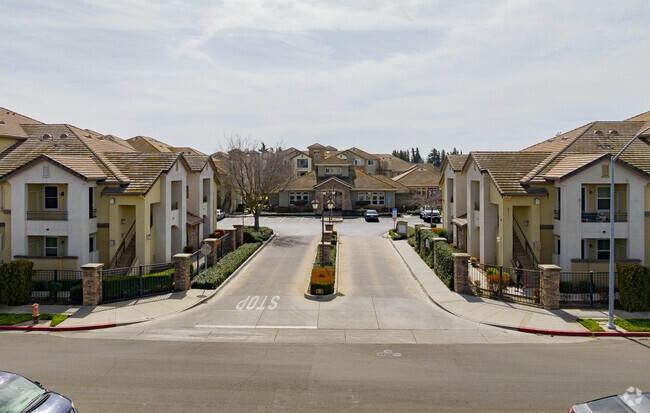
x=220, y=215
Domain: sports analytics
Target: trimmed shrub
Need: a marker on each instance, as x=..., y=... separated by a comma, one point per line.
x=322, y=279
x=634, y=286
x=493, y=280
x=218, y=273
x=395, y=236
x=117, y=288
x=444, y=268
x=249, y=238
x=363, y=203
x=566, y=287
x=16, y=282
x=77, y=293
x=263, y=234
x=442, y=233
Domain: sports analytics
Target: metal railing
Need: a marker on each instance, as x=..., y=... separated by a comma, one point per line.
x=529, y=251
x=47, y=215
x=134, y=282
x=505, y=283
x=603, y=217
x=586, y=289
x=122, y=247
x=56, y=286
x=92, y=213
x=556, y=214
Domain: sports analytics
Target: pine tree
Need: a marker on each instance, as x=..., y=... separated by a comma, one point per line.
x=443, y=155
x=416, y=156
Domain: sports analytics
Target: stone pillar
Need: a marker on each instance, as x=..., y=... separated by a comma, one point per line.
x=181, y=272
x=92, y=283
x=549, y=286
x=329, y=227
x=325, y=248
x=327, y=236
x=239, y=234
x=435, y=254
x=233, y=239
x=417, y=228
x=461, y=270
x=212, y=255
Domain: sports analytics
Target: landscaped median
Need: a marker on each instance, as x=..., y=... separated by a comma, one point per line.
x=322, y=281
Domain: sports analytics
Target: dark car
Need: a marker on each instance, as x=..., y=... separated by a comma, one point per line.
x=631, y=401
x=371, y=215
x=19, y=394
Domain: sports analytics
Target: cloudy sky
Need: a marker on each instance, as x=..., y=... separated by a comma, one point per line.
x=379, y=75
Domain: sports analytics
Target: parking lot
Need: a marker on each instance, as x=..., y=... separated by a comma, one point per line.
x=352, y=226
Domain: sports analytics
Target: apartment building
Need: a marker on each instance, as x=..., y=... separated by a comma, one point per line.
x=550, y=203
x=71, y=196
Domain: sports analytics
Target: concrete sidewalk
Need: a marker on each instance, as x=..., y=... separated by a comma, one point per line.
x=482, y=310
x=122, y=312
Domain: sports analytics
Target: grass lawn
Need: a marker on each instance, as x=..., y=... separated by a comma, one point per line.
x=589, y=324
x=9, y=319
x=634, y=324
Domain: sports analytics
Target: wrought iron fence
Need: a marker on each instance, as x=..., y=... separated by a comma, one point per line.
x=133, y=282
x=47, y=215
x=56, y=286
x=505, y=283
x=198, y=262
x=586, y=289
x=224, y=246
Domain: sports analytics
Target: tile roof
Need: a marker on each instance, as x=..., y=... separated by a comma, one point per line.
x=315, y=146
x=196, y=163
x=333, y=160
x=508, y=168
x=456, y=161
x=363, y=181
x=302, y=183
x=419, y=176
x=10, y=124
x=148, y=144
x=142, y=169
x=399, y=187
x=192, y=220
x=333, y=178
x=361, y=153
x=644, y=117
x=571, y=164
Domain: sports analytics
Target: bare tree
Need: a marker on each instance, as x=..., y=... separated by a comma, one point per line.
x=432, y=198
x=255, y=175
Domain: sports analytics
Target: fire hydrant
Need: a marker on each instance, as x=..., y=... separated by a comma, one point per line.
x=35, y=314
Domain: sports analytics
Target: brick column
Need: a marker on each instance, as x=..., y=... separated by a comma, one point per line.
x=233, y=239
x=461, y=276
x=417, y=228
x=92, y=283
x=212, y=255
x=329, y=227
x=549, y=286
x=239, y=231
x=181, y=272
x=325, y=249
x=435, y=254
x=327, y=236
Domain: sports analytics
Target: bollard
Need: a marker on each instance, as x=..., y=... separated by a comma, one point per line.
x=35, y=314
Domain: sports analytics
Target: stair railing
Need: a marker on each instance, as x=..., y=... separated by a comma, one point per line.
x=522, y=239
x=122, y=247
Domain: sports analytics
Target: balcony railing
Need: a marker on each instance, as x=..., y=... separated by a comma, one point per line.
x=47, y=215
x=205, y=198
x=556, y=214
x=92, y=213
x=477, y=206
x=603, y=217
x=174, y=206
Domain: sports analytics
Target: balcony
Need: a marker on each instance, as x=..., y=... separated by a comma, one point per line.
x=47, y=215
x=556, y=214
x=603, y=217
x=174, y=206
x=92, y=213
x=205, y=198
x=477, y=206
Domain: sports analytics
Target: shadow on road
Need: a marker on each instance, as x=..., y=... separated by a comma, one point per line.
x=289, y=242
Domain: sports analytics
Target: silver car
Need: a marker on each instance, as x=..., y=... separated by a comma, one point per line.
x=627, y=402
x=20, y=395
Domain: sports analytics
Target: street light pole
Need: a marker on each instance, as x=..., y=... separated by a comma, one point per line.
x=612, y=220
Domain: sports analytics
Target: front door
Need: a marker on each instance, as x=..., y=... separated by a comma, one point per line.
x=621, y=206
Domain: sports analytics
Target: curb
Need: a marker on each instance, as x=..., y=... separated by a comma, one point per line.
x=328, y=297
x=584, y=333
x=44, y=328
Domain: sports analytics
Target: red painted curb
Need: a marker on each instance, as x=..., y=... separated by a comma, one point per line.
x=44, y=328
x=583, y=333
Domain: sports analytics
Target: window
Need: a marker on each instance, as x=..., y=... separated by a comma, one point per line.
x=584, y=252
x=91, y=243
x=327, y=171
x=187, y=192
x=605, y=171
x=338, y=171
x=301, y=198
x=303, y=163
x=557, y=245
x=602, y=201
x=357, y=162
x=51, y=246
x=602, y=249
x=371, y=162
x=46, y=171
x=377, y=198
x=51, y=197
x=91, y=203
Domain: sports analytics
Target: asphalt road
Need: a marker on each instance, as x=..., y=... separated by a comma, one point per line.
x=146, y=376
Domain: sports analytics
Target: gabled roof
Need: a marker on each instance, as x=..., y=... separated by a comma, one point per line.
x=196, y=163
x=333, y=178
x=396, y=164
x=333, y=161
x=366, y=181
x=418, y=176
x=315, y=146
x=84, y=168
x=643, y=117
x=362, y=154
x=148, y=144
x=10, y=124
x=456, y=161
x=142, y=169
x=507, y=168
x=302, y=183
x=572, y=164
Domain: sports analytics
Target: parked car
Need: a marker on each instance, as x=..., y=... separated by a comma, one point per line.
x=19, y=394
x=220, y=215
x=626, y=402
x=371, y=215
x=430, y=215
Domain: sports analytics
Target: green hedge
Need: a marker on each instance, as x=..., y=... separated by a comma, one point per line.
x=77, y=293
x=218, y=273
x=395, y=236
x=16, y=282
x=445, y=265
x=634, y=286
x=331, y=263
x=327, y=288
x=116, y=288
x=263, y=234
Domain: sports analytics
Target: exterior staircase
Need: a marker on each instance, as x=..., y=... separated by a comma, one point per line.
x=128, y=255
x=519, y=253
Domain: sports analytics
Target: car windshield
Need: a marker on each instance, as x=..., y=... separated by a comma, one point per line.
x=371, y=212
x=17, y=393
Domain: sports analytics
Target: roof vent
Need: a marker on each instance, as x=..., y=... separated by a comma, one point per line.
x=552, y=140
x=2, y=122
x=598, y=132
x=63, y=135
x=564, y=138
x=47, y=136
x=613, y=132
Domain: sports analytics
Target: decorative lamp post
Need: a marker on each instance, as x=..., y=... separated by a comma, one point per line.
x=612, y=219
x=314, y=205
x=330, y=202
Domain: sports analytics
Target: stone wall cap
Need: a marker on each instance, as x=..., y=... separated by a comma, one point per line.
x=436, y=239
x=551, y=267
x=211, y=240
x=182, y=255
x=460, y=255
x=238, y=225
x=91, y=266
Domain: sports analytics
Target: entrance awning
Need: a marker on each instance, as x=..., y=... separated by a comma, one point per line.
x=459, y=222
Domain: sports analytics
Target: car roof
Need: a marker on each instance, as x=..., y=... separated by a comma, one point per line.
x=628, y=402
